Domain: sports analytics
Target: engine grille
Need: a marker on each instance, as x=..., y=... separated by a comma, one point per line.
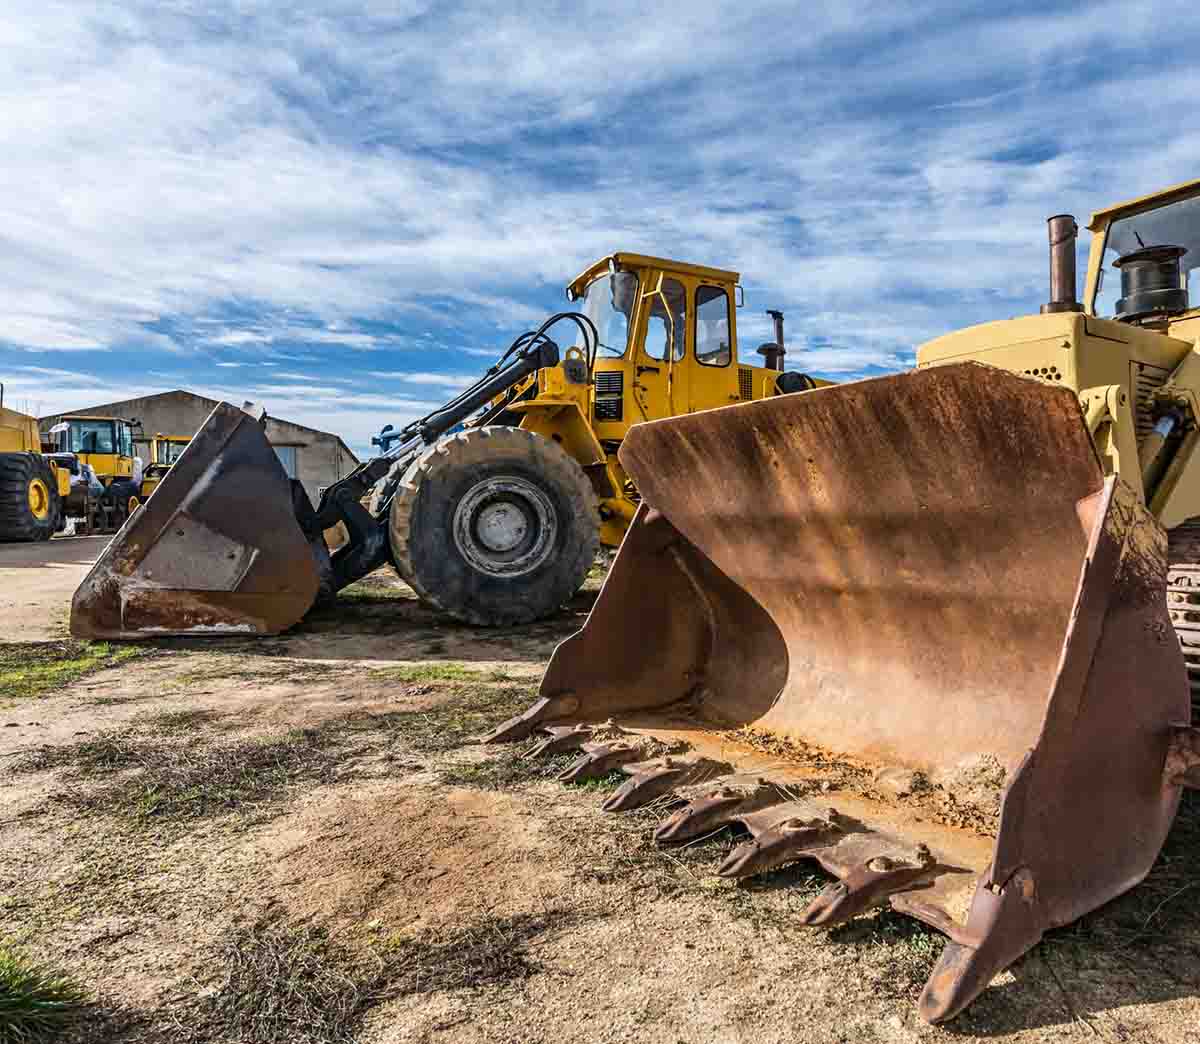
x=745, y=383
x=610, y=386
x=611, y=382
x=1145, y=380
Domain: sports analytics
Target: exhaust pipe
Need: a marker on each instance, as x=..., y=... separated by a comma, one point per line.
x=1063, y=231
x=773, y=353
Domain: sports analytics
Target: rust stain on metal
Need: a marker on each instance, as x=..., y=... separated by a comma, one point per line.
x=216, y=549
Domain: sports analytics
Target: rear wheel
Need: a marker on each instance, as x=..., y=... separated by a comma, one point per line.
x=30, y=506
x=124, y=498
x=495, y=526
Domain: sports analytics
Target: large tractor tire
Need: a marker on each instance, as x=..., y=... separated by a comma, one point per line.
x=496, y=526
x=30, y=506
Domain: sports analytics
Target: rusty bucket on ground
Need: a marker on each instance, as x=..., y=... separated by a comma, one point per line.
x=904, y=627
x=216, y=549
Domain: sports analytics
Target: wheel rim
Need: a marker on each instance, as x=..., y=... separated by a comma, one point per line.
x=505, y=526
x=39, y=499
x=132, y=506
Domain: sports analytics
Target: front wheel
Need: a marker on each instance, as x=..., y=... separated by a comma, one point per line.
x=29, y=502
x=496, y=526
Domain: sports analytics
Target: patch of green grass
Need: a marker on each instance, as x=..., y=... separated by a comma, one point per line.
x=36, y=1003
x=29, y=669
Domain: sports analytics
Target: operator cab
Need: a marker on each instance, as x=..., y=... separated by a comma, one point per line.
x=667, y=341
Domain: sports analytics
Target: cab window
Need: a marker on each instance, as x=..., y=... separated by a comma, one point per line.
x=92, y=437
x=124, y=440
x=666, y=326
x=712, y=327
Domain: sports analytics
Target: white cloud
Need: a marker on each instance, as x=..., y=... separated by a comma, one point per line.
x=316, y=174
x=447, y=380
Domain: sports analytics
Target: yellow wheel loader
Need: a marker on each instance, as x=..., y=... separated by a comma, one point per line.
x=33, y=487
x=933, y=631
x=492, y=508
x=106, y=486
x=164, y=451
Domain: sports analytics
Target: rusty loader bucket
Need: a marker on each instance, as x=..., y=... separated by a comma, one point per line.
x=903, y=627
x=216, y=549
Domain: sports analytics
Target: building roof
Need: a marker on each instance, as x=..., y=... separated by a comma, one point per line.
x=121, y=409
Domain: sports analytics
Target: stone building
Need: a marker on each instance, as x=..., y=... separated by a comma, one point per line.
x=316, y=458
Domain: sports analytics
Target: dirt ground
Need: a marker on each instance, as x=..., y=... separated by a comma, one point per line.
x=293, y=839
x=36, y=584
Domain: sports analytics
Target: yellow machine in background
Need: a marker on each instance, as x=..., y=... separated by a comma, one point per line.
x=492, y=508
x=33, y=488
x=102, y=446
x=164, y=451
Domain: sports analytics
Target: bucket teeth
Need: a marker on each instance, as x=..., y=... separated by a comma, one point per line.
x=868, y=885
x=652, y=780
x=520, y=727
x=526, y=724
x=560, y=739
x=598, y=760
x=788, y=840
x=719, y=807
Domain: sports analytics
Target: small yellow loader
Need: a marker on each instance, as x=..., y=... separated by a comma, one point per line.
x=164, y=451
x=33, y=487
x=492, y=508
x=933, y=631
x=106, y=474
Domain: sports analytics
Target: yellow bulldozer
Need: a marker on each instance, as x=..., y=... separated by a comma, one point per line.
x=33, y=487
x=492, y=508
x=933, y=631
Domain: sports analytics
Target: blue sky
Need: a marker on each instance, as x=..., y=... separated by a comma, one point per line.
x=342, y=209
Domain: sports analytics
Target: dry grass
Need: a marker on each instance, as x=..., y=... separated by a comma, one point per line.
x=292, y=984
x=287, y=985
x=487, y=951
x=148, y=779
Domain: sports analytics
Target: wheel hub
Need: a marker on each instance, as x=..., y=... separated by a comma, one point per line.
x=39, y=499
x=505, y=526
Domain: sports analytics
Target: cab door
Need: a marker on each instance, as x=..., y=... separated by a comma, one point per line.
x=713, y=362
x=660, y=378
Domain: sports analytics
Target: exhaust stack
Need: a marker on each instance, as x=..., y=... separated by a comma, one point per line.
x=773, y=353
x=1063, y=231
